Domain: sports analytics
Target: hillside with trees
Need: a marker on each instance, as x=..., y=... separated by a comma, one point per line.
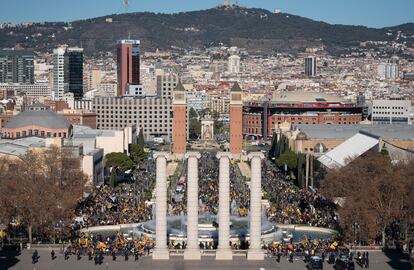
x=258, y=30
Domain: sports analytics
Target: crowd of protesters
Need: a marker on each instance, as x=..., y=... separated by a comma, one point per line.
x=289, y=204
x=112, y=206
x=112, y=244
x=292, y=205
x=125, y=203
x=208, y=189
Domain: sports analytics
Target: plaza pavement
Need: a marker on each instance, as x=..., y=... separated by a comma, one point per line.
x=378, y=261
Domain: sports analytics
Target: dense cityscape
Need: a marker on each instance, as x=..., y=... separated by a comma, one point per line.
x=134, y=156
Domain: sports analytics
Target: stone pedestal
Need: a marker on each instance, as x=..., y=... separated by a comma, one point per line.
x=255, y=249
x=224, y=255
x=255, y=255
x=192, y=251
x=161, y=251
x=223, y=251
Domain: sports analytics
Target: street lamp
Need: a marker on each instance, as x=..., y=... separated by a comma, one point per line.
x=355, y=227
x=61, y=224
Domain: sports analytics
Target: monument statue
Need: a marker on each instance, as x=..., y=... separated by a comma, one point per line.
x=207, y=128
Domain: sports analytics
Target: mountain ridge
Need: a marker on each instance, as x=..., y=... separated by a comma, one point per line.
x=253, y=28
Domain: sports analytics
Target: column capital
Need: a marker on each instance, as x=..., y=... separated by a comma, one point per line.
x=192, y=154
x=161, y=154
x=255, y=154
x=224, y=154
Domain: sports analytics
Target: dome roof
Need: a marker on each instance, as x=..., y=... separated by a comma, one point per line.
x=301, y=136
x=319, y=148
x=46, y=119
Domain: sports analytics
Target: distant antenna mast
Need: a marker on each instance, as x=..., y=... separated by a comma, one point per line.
x=126, y=4
x=277, y=10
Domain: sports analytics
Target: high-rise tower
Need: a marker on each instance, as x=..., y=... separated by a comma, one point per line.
x=59, y=84
x=236, y=116
x=16, y=67
x=68, y=72
x=128, y=64
x=74, y=71
x=179, y=136
x=310, y=66
x=234, y=64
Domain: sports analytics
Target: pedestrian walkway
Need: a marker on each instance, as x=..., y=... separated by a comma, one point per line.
x=171, y=167
x=378, y=261
x=244, y=169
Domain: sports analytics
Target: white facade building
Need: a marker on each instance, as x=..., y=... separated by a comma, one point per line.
x=234, y=64
x=391, y=111
x=154, y=115
x=59, y=85
x=29, y=90
x=137, y=91
x=388, y=71
x=111, y=141
x=195, y=100
x=107, y=89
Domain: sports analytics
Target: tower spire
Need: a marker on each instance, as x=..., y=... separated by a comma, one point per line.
x=126, y=4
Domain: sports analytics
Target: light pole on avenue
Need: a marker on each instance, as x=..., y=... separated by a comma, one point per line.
x=355, y=227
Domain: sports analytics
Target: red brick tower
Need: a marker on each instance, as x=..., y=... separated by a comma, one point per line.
x=128, y=64
x=236, y=116
x=179, y=135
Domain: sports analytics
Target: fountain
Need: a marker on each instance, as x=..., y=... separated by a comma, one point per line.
x=234, y=210
x=239, y=229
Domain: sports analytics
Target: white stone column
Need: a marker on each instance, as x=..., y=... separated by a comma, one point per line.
x=223, y=251
x=255, y=249
x=192, y=252
x=161, y=251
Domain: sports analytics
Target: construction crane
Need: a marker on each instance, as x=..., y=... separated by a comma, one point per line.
x=126, y=4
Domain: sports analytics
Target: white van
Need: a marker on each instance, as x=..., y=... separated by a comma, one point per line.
x=158, y=140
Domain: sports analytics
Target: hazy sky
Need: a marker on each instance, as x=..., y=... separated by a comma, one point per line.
x=373, y=13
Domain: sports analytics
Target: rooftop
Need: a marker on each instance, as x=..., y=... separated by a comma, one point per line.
x=46, y=119
x=15, y=53
x=304, y=96
x=396, y=131
x=353, y=147
x=19, y=147
x=236, y=87
x=86, y=136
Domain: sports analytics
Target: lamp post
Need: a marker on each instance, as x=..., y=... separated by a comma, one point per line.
x=61, y=224
x=355, y=228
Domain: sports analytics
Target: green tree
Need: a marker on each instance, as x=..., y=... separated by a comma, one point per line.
x=289, y=158
x=301, y=169
x=141, y=141
x=218, y=126
x=119, y=161
x=283, y=145
x=137, y=153
x=275, y=146
x=204, y=112
x=193, y=113
x=113, y=178
x=194, y=128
